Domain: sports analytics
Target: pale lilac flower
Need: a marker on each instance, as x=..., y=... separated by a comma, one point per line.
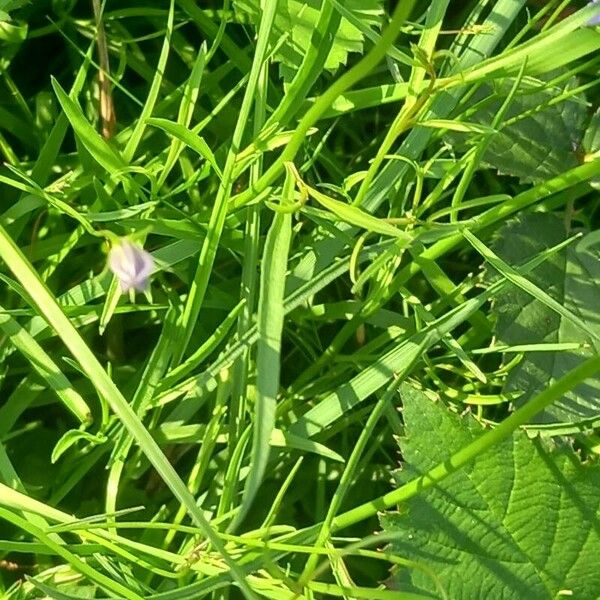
x=595, y=20
x=131, y=264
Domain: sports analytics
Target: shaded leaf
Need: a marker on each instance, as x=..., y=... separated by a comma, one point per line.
x=539, y=137
x=296, y=21
x=72, y=437
x=519, y=522
x=571, y=277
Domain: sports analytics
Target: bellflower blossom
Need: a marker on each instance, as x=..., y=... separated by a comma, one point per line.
x=595, y=20
x=131, y=265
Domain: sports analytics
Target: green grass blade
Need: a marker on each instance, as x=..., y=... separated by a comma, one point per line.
x=77, y=563
x=186, y=111
x=203, y=351
x=140, y=126
x=45, y=367
x=52, y=313
x=106, y=156
x=270, y=326
x=348, y=474
x=110, y=304
x=294, y=299
x=283, y=439
x=360, y=70
x=219, y=212
x=562, y=44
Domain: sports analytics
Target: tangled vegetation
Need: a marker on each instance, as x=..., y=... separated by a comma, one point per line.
x=299, y=300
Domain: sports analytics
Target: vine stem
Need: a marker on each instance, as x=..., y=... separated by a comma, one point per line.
x=477, y=447
x=361, y=69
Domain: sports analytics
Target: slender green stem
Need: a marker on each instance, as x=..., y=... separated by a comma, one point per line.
x=349, y=473
x=471, y=451
x=249, y=291
x=216, y=223
x=415, y=101
x=363, y=68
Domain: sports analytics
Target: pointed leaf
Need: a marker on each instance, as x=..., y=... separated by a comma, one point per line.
x=103, y=154
x=571, y=277
x=539, y=136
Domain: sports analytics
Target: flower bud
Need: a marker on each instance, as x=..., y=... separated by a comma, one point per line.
x=131, y=265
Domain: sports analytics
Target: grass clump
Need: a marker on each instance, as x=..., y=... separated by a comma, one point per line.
x=317, y=215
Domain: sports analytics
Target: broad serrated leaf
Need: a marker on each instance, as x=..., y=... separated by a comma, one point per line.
x=296, y=22
x=571, y=277
x=539, y=136
x=519, y=522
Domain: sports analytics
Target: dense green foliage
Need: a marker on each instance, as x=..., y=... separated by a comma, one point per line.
x=518, y=522
x=366, y=218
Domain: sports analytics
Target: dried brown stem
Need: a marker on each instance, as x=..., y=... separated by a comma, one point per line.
x=107, y=109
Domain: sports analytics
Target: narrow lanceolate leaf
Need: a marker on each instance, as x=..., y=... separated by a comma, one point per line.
x=189, y=138
x=571, y=277
x=106, y=156
x=45, y=367
x=355, y=216
x=186, y=110
x=518, y=522
x=110, y=304
x=270, y=325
